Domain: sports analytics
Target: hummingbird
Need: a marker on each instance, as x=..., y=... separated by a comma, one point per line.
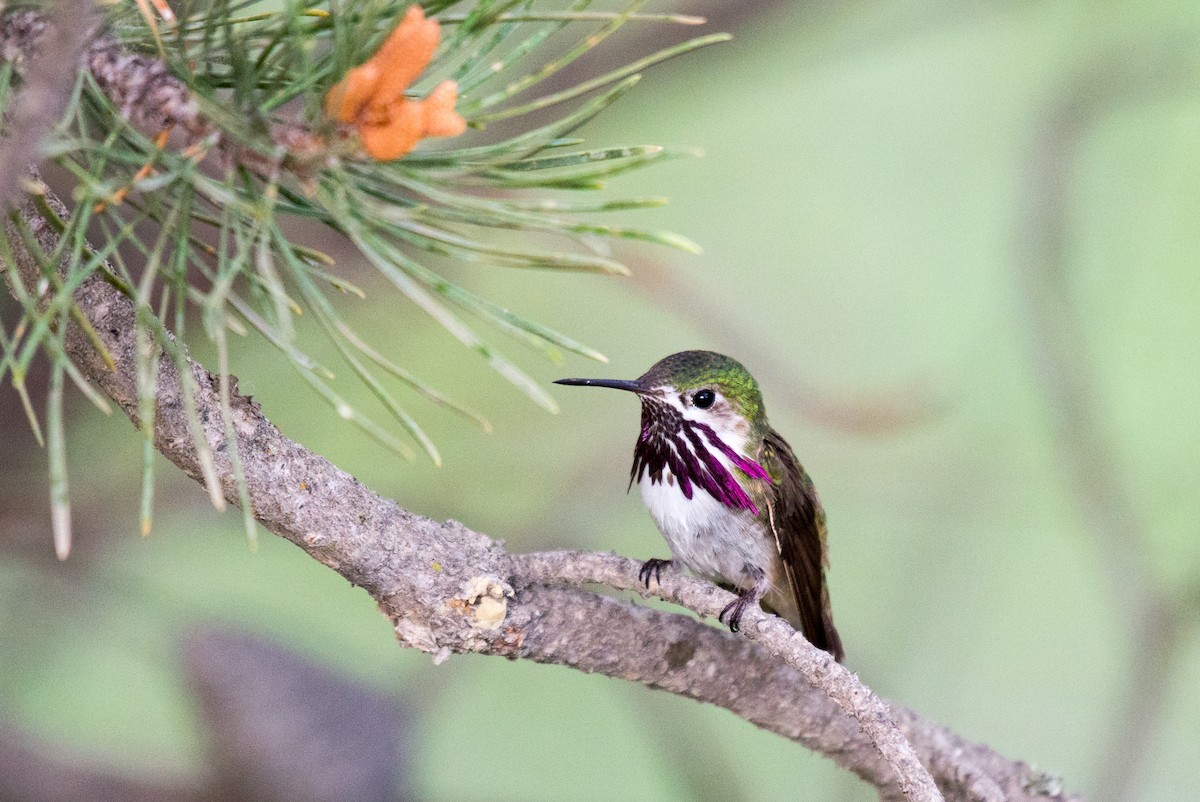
x=727, y=493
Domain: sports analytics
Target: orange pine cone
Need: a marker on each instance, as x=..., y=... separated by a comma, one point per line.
x=348, y=97
x=398, y=133
x=440, y=117
x=406, y=53
x=371, y=96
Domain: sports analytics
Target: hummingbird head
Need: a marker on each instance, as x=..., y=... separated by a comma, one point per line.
x=701, y=385
x=701, y=411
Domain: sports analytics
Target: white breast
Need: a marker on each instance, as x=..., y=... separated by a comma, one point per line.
x=705, y=535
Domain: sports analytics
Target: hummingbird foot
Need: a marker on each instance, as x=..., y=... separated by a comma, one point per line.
x=652, y=568
x=732, y=614
x=734, y=611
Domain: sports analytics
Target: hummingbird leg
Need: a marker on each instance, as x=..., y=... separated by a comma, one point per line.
x=652, y=568
x=732, y=614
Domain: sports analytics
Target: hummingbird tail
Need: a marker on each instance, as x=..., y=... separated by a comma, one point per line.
x=815, y=622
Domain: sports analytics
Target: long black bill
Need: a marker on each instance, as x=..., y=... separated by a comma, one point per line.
x=617, y=384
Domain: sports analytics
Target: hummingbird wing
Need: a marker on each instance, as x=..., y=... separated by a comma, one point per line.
x=797, y=520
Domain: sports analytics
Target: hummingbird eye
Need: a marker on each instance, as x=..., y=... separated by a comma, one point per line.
x=704, y=399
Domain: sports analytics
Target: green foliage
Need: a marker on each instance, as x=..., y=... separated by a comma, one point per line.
x=206, y=224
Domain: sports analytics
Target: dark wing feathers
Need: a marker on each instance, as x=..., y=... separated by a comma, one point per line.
x=798, y=521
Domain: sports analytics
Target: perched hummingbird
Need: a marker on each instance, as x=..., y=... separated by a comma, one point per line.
x=727, y=492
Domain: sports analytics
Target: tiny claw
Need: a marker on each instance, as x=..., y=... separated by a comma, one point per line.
x=734, y=610
x=652, y=568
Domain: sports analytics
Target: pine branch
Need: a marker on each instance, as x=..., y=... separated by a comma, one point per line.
x=193, y=141
x=447, y=589
x=195, y=138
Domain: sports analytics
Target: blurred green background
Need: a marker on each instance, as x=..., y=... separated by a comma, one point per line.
x=957, y=244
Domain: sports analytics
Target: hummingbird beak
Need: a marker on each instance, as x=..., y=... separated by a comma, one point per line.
x=617, y=384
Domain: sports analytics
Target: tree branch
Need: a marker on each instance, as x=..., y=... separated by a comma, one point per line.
x=140, y=86
x=817, y=667
x=448, y=589
x=49, y=78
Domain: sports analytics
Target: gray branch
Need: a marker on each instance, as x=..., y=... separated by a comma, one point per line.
x=447, y=589
x=141, y=87
x=49, y=78
x=818, y=668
